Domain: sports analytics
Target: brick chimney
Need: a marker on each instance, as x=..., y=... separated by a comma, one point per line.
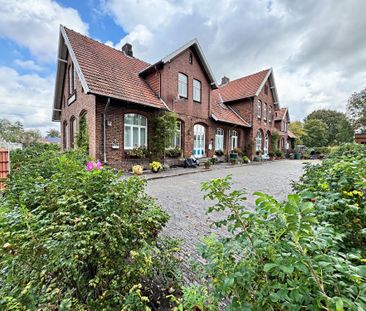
x=224, y=80
x=127, y=49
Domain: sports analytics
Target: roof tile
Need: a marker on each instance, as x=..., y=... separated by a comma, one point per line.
x=110, y=72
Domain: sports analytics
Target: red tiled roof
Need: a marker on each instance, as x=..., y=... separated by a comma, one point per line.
x=110, y=72
x=223, y=113
x=243, y=87
x=279, y=114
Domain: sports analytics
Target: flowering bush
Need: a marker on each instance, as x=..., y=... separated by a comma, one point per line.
x=78, y=239
x=155, y=166
x=137, y=169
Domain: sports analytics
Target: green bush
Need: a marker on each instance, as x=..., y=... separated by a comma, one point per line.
x=173, y=152
x=78, y=239
x=279, y=153
x=275, y=258
x=245, y=159
x=339, y=186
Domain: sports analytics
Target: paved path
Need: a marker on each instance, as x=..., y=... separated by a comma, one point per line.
x=181, y=197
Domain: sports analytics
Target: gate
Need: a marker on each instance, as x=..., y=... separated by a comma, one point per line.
x=4, y=167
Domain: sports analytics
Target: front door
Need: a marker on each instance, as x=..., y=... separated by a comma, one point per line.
x=199, y=141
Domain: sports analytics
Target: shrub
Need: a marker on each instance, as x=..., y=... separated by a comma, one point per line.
x=279, y=153
x=275, y=258
x=271, y=154
x=173, y=152
x=219, y=153
x=237, y=150
x=245, y=159
x=137, y=153
x=137, y=170
x=339, y=186
x=155, y=166
x=208, y=164
x=78, y=239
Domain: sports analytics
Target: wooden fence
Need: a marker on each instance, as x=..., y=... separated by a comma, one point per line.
x=4, y=167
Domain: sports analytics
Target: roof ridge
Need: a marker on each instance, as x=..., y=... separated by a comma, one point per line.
x=247, y=76
x=104, y=45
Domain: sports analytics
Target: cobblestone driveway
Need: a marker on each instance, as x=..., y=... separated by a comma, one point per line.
x=181, y=197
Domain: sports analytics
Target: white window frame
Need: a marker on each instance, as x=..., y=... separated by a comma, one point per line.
x=234, y=139
x=177, y=139
x=259, y=109
x=270, y=114
x=132, y=126
x=197, y=90
x=258, y=141
x=266, y=143
x=182, y=85
x=219, y=139
x=265, y=112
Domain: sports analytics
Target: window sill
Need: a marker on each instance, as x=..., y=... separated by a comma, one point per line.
x=196, y=101
x=182, y=97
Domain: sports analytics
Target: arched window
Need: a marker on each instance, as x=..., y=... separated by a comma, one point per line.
x=64, y=135
x=234, y=140
x=258, y=141
x=199, y=145
x=135, y=133
x=219, y=139
x=266, y=144
x=73, y=132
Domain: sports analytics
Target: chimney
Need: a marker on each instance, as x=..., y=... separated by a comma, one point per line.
x=127, y=49
x=224, y=80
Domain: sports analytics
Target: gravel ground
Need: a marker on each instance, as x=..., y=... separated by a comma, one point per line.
x=181, y=197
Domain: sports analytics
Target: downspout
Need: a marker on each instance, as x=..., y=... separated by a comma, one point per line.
x=105, y=131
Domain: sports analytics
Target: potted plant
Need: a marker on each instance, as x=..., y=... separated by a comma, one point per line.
x=271, y=155
x=155, y=166
x=137, y=153
x=137, y=169
x=245, y=159
x=279, y=154
x=234, y=161
x=208, y=164
x=213, y=160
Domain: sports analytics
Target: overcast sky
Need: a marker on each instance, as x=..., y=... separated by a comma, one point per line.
x=317, y=49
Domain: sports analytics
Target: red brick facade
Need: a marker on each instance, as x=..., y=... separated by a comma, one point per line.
x=162, y=80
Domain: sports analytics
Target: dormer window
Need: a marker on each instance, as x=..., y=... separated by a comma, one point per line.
x=182, y=85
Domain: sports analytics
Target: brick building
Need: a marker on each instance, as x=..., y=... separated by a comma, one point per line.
x=118, y=95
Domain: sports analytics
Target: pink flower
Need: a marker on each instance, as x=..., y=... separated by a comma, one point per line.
x=90, y=166
x=99, y=165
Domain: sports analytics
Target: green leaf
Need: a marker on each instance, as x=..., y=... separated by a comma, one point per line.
x=269, y=266
x=287, y=269
x=339, y=304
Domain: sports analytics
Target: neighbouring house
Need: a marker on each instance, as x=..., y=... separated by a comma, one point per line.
x=287, y=138
x=360, y=138
x=116, y=96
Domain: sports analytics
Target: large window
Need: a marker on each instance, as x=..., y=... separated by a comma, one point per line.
x=234, y=140
x=219, y=139
x=259, y=109
x=182, y=85
x=177, y=139
x=135, y=134
x=196, y=90
x=258, y=141
x=265, y=112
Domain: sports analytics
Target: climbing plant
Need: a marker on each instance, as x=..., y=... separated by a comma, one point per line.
x=274, y=140
x=165, y=128
x=82, y=136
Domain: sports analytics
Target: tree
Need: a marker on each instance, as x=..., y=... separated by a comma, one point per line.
x=356, y=110
x=315, y=133
x=15, y=133
x=334, y=121
x=297, y=127
x=53, y=133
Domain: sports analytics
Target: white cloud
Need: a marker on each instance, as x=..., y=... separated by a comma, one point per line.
x=35, y=24
x=28, y=64
x=26, y=98
x=316, y=48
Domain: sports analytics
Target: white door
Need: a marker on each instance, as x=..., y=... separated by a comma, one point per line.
x=265, y=151
x=199, y=141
